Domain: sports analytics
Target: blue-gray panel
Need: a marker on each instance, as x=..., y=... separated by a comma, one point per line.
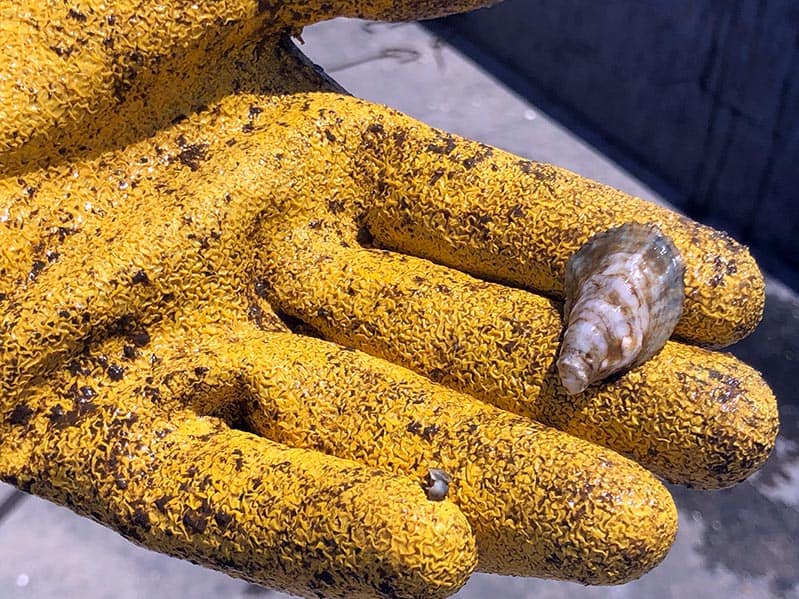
x=703, y=93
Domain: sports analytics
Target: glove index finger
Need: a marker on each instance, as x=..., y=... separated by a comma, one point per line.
x=499, y=217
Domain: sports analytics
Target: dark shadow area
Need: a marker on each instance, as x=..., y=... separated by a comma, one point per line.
x=10, y=503
x=746, y=533
x=699, y=100
x=774, y=347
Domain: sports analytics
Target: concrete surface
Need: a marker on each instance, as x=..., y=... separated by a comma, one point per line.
x=703, y=93
x=742, y=542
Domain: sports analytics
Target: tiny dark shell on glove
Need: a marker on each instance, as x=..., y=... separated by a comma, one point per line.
x=437, y=484
x=624, y=296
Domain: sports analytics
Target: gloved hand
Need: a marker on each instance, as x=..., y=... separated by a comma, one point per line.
x=244, y=314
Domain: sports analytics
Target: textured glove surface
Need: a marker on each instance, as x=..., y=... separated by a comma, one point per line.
x=243, y=314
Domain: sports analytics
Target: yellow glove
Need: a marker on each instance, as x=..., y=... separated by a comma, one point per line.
x=245, y=314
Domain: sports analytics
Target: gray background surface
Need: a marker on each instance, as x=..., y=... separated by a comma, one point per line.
x=740, y=542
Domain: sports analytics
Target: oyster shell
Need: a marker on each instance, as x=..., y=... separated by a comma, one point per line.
x=624, y=296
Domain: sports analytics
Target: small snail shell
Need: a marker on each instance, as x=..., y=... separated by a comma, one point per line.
x=624, y=296
x=437, y=484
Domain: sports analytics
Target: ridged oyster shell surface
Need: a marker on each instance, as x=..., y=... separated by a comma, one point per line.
x=624, y=295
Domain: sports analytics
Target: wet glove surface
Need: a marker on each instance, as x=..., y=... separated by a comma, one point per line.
x=244, y=313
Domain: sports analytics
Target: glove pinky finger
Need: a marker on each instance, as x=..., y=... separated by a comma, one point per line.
x=292, y=519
